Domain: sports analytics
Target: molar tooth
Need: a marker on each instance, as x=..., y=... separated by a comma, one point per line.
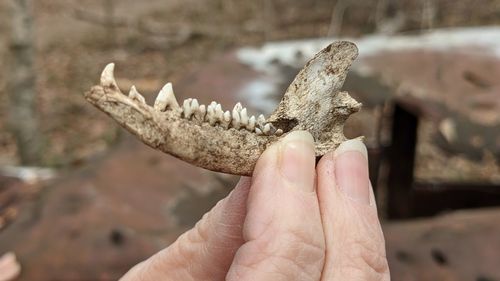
x=236, y=123
x=199, y=112
x=258, y=131
x=108, y=77
x=251, y=124
x=267, y=129
x=186, y=106
x=166, y=98
x=226, y=119
x=194, y=105
x=261, y=120
x=211, y=117
x=236, y=120
x=219, y=114
x=244, y=117
x=134, y=95
x=279, y=132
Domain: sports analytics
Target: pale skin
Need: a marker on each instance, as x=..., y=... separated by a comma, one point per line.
x=292, y=220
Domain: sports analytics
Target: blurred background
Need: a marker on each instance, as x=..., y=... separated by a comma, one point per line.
x=82, y=199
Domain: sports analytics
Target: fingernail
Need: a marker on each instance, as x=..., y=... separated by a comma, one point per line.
x=351, y=170
x=297, y=159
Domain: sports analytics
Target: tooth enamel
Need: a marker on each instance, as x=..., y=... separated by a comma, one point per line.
x=251, y=124
x=279, y=132
x=219, y=113
x=194, y=105
x=267, y=129
x=261, y=120
x=186, y=106
x=200, y=112
x=236, y=120
x=108, y=77
x=166, y=98
x=211, y=117
x=134, y=94
x=258, y=131
x=244, y=117
x=226, y=120
x=236, y=123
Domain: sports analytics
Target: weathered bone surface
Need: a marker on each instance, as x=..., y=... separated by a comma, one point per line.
x=232, y=141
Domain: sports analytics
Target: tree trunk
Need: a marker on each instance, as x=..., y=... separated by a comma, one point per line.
x=22, y=117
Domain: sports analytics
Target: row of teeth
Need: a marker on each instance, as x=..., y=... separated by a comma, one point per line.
x=212, y=114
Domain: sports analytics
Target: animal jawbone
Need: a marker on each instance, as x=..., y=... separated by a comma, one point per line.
x=232, y=141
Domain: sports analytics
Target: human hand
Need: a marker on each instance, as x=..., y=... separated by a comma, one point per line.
x=290, y=221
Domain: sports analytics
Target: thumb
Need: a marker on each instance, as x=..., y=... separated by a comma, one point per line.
x=355, y=247
x=282, y=229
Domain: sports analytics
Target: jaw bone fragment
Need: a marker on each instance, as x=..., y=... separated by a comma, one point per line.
x=231, y=142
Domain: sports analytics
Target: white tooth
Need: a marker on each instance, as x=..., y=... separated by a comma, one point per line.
x=134, y=94
x=267, y=129
x=236, y=119
x=258, y=131
x=219, y=114
x=278, y=132
x=236, y=123
x=251, y=123
x=108, y=77
x=261, y=120
x=166, y=98
x=186, y=106
x=194, y=105
x=226, y=119
x=211, y=118
x=244, y=117
x=201, y=112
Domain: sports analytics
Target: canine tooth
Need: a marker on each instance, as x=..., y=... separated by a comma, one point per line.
x=108, y=76
x=244, y=117
x=166, y=98
x=251, y=123
x=186, y=106
x=258, y=131
x=279, y=132
x=134, y=94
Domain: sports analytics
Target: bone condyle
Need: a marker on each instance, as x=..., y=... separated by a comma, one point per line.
x=231, y=141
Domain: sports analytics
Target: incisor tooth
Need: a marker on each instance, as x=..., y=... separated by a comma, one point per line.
x=251, y=124
x=134, y=94
x=108, y=76
x=166, y=98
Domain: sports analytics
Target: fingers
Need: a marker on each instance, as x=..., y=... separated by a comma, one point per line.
x=204, y=252
x=355, y=247
x=282, y=230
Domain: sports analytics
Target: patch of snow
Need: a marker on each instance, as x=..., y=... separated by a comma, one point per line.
x=486, y=40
